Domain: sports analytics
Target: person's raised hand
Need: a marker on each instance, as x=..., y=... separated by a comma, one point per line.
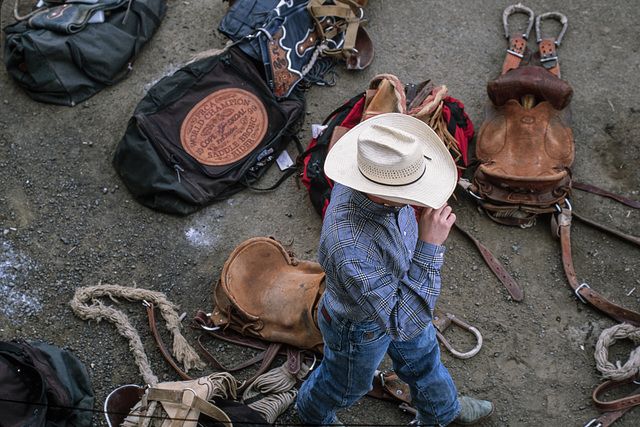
x=434, y=224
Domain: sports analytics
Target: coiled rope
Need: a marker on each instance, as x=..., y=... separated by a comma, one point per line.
x=610, y=336
x=274, y=391
x=270, y=394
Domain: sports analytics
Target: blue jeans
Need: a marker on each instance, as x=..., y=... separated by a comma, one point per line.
x=352, y=353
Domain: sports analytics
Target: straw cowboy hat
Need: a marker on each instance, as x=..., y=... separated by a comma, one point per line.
x=395, y=157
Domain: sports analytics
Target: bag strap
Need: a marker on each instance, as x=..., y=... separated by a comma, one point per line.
x=86, y=66
x=286, y=172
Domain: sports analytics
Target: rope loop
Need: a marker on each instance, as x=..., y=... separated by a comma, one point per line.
x=610, y=336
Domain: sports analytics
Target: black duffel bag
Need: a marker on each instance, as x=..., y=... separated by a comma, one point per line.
x=57, y=57
x=206, y=132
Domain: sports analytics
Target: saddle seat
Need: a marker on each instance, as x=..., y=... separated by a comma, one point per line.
x=265, y=292
x=525, y=146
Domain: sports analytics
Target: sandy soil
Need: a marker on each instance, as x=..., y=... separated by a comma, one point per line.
x=67, y=221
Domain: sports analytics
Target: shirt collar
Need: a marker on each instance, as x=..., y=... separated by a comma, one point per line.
x=368, y=205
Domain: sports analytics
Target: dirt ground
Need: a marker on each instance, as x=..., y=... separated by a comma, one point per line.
x=67, y=221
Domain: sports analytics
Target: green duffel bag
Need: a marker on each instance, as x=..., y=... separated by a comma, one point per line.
x=57, y=56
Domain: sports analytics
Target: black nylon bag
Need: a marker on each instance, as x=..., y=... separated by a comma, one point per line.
x=191, y=140
x=43, y=385
x=68, y=68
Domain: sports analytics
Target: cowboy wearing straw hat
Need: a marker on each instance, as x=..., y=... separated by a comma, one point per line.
x=383, y=271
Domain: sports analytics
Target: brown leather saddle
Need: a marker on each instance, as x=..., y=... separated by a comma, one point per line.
x=525, y=147
x=264, y=291
x=525, y=150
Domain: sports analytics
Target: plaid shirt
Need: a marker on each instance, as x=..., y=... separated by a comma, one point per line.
x=376, y=267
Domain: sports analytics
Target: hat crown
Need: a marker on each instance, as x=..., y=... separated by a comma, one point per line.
x=390, y=156
x=396, y=157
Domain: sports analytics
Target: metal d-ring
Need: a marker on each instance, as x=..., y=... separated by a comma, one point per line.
x=515, y=8
x=209, y=328
x=552, y=15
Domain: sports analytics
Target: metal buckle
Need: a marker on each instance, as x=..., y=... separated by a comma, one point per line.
x=566, y=201
x=577, y=292
x=474, y=195
x=209, y=328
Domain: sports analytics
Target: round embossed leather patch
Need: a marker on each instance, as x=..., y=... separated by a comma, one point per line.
x=224, y=127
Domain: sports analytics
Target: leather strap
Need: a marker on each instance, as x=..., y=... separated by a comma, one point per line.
x=163, y=348
x=218, y=366
x=629, y=238
x=548, y=55
x=583, y=291
x=547, y=45
x=387, y=386
x=269, y=350
x=350, y=19
x=517, y=39
x=626, y=402
x=607, y=418
x=495, y=266
x=515, y=52
x=595, y=190
x=267, y=357
x=187, y=401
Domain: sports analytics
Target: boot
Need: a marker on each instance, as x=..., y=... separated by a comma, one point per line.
x=473, y=411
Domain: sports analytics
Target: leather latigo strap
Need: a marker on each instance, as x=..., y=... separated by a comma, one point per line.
x=269, y=350
x=607, y=418
x=517, y=39
x=163, y=348
x=495, y=266
x=583, y=291
x=632, y=399
x=624, y=236
x=547, y=45
x=387, y=386
x=548, y=53
x=601, y=192
x=616, y=408
x=515, y=52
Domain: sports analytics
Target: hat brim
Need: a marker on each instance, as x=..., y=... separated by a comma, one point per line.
x=433, y=189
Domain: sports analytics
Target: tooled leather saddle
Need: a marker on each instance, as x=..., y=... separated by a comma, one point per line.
x=265, y=292
x=525, y=150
